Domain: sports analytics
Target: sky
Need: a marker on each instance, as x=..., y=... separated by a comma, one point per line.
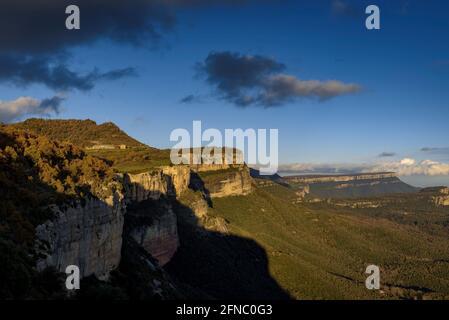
x=343, y=98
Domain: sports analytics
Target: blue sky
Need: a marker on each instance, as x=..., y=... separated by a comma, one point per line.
x=402, y=69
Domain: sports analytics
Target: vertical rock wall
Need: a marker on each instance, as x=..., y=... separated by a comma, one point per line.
x=87, y=234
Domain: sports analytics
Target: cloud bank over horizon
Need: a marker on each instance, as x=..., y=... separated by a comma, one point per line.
x=403, y=167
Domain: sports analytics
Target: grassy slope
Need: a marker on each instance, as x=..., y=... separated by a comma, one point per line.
x=322, y=252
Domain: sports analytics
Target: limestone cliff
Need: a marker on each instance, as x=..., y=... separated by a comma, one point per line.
x=153, y=222
x=442, y=197
x=164, y=181
x=87, y=234
x=223, y=183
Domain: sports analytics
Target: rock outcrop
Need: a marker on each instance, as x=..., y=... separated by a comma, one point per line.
x=442, y=199
x=156, y=230
x=87, y=234
x=231, y=182
x=165, y=181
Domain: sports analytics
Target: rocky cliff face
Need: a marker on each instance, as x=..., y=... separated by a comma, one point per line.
x=155, y=226
x=166, y=181
x=87, y=234
x=442, y=198
x=230, y=182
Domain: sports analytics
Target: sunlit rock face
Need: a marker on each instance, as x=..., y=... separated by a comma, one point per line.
x=232, y=183
x=87, y=234
x=442, y=199
x=165, y=181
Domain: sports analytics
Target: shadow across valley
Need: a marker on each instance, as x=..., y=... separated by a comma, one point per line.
x=221, y=265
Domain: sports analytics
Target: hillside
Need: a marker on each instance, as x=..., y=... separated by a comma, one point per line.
x=36, y=172
x=105, y=141
x=83, y=133
x=61, y=206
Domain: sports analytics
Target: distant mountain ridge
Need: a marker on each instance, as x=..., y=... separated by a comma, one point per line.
x=353, y=185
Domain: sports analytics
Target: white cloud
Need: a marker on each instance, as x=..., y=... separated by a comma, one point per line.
x=404, y=167
x=407, y=162
x=410, y=167
x=23, y=106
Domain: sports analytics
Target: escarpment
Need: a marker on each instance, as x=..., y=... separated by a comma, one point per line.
x=63, y=206
x=149, y=195
x=87, y=234
x=165, y=181
x=83, y=209
x=440, y=195
x=351, y=186
x=153, y=224
x=309, y=179
x=233, y=181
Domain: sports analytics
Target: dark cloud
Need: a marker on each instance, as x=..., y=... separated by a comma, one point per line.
x=53, y=73
x=387, y=154
x=246, y=80
x=435, y=150
x=34, y=41
x=30, y=26
x=190, y=99
x=38, y=26
x=25, y=106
